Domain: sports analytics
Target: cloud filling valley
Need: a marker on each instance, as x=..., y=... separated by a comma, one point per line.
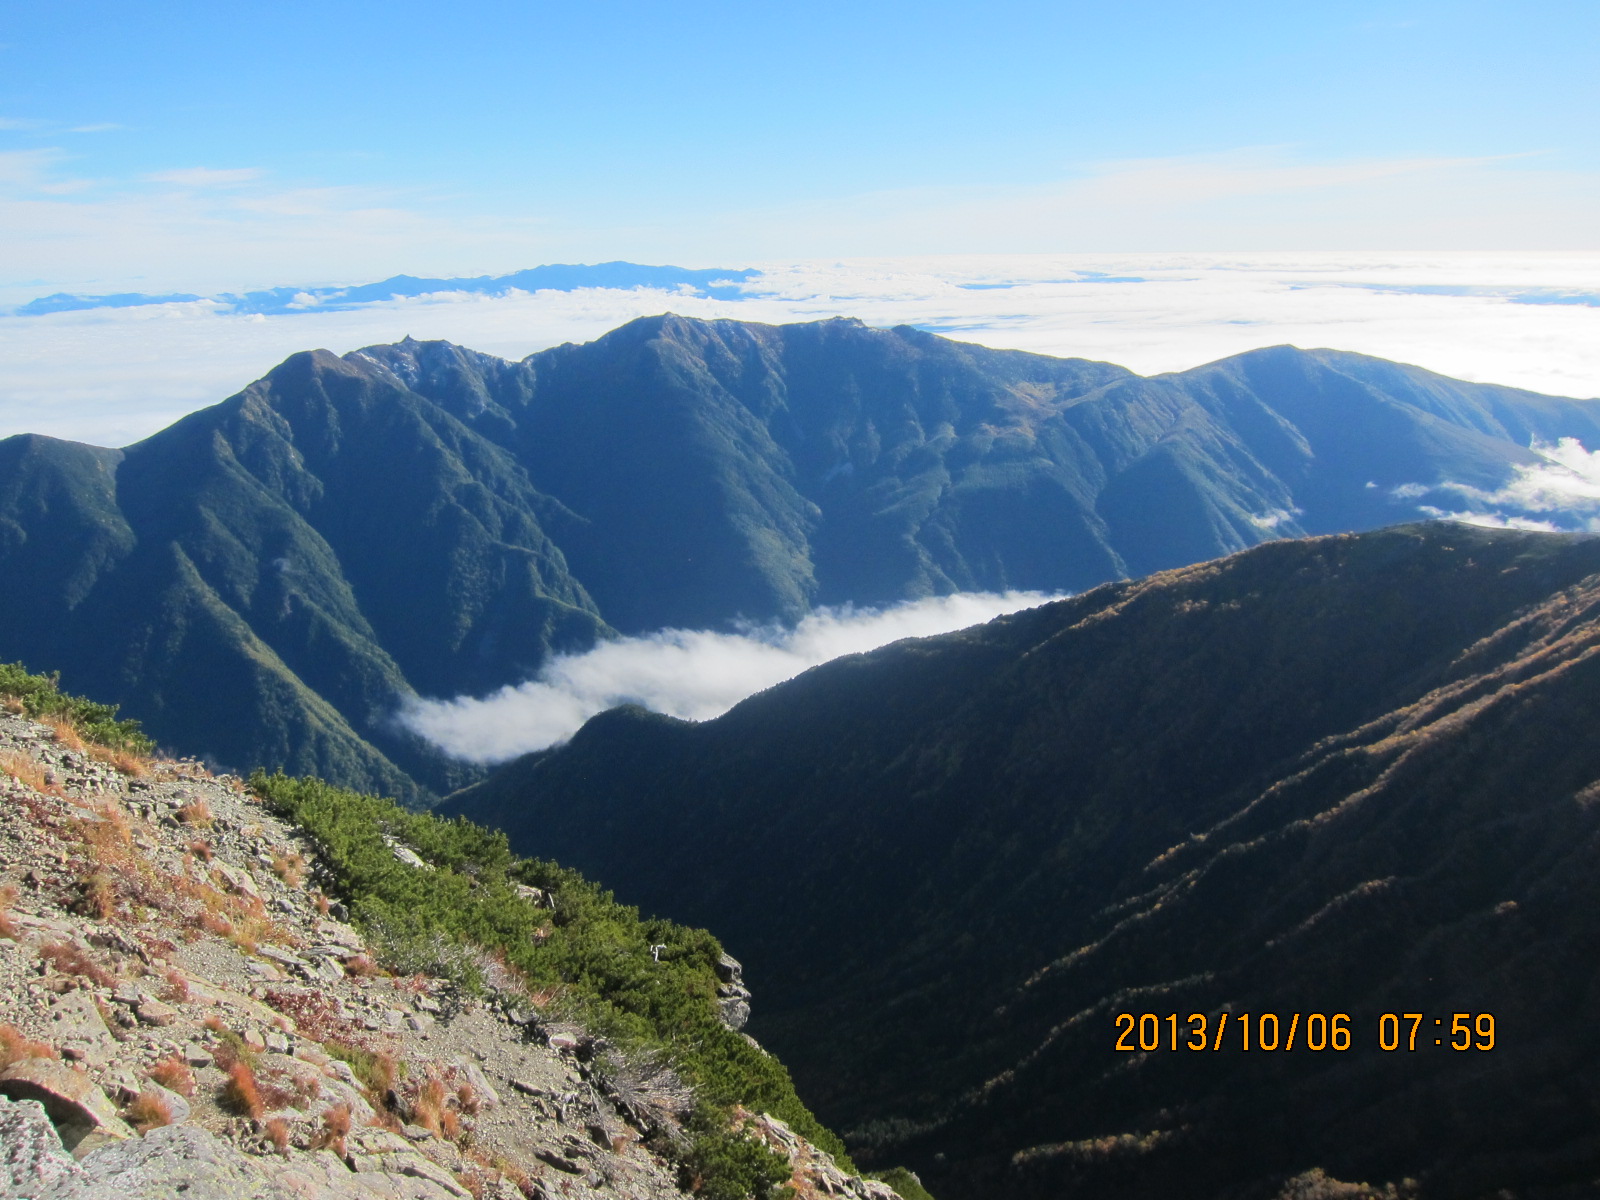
x=692, y=674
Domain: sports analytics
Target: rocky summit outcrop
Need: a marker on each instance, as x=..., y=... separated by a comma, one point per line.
x=185, y=1012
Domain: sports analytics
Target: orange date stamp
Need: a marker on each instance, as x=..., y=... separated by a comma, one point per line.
x=1315, y=1031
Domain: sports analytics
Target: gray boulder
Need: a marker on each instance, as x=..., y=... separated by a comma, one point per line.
x=31, y=1154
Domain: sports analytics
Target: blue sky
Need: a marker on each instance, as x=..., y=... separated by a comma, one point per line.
x=203, y=146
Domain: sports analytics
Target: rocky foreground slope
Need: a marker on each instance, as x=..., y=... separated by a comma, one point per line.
x=184, y=1012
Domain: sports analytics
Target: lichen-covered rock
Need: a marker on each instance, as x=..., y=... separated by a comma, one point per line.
x=31, y=1154
x=176, y=1162
x=76, y=1107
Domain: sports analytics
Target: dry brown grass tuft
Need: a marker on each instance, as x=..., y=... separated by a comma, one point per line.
x=314, y=1013
x=75, y=960
x=382, y=1118
x=335, y=1126
x=428, y=1109
x=16, y=1046
x=97, y=896
x=385, y=1070
x=173, y=1074
x=212, y=923
x=8, y=897
x=467, y=1099
x=479, y=1173
x=64, y=734
x=277, y=1132
x=148, y=1110
x=124, y=762
x=107, y=837
x=12, y=704
x=201, y=849
x=289, y=867
x=177, y=990
x=29, y=771
x=241, y=1094
x=323, y=903
x=515, y=1175
x=196, y=813
x=360, y=967
x=306, y=1088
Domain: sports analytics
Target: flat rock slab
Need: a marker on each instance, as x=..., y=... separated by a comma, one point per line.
x=75, y=1019
x=175, y=1162
x=75, y=1105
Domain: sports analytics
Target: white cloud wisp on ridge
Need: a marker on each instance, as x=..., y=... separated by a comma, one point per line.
x=692, y=674
x=1561, y=494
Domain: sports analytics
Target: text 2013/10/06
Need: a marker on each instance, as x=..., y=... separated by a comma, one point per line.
x=1290, y=1031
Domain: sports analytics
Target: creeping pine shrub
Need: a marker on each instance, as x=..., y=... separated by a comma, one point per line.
x=40, y=698
x=721, y=1164
x=644, y=985
x=647, y=987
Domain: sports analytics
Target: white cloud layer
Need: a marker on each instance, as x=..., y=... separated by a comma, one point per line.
x=1560, y=494
x=693, y=674
x=110, y=376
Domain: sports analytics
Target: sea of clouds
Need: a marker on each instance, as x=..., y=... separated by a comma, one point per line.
x=693, y=674
x=112, y=376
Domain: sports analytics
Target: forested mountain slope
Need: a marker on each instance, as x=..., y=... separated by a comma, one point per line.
x=1353, y=774
x=261, y=581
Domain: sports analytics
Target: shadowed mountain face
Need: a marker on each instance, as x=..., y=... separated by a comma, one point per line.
x=262, y=580
x=1353, y=774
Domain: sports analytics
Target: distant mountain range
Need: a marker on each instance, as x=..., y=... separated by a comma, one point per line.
x=284, y=301
x=1345, y=775
x=261, y=581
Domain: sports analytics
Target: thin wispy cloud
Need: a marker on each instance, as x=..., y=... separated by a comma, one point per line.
x=28, y=170
x=206, y=177
x=1561, y=493
x=692, y=674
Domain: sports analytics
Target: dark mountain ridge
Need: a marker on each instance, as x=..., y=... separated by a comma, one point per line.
x=261, y=581
x=1349, y=774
